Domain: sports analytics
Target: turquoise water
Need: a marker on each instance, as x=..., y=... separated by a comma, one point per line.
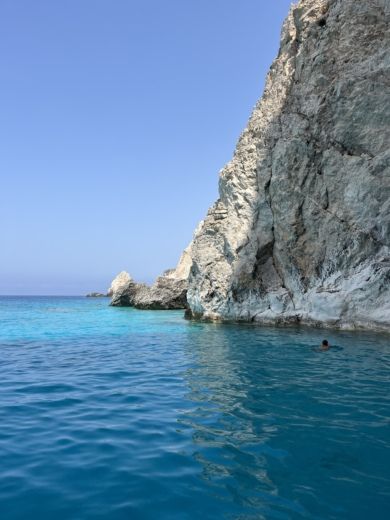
x=125, y=414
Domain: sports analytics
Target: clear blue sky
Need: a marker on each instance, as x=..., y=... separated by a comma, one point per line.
x=116, y=117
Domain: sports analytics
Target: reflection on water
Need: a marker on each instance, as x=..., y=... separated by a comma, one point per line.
x=117, y=413
x=279, y=425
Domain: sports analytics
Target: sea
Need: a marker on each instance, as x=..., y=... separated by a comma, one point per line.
x=116, y=413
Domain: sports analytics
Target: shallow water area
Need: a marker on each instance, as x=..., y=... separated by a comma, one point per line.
x=118, y=413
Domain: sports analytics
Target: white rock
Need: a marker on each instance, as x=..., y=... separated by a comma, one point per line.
x=301, y=229
x=120, y=282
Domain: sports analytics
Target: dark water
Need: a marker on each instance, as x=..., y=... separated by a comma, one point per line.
x=125, y=414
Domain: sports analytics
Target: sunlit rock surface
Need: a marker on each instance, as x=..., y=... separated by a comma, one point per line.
x=119, y=282
x=301, y=229
x=168, y=292
x=122, y=290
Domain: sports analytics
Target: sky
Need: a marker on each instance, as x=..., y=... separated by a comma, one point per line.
x=116, y=117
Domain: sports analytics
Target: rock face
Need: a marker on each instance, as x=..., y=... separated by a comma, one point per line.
x=122, y=290
x=168, y=292
x=119, y=283
x=301, y=229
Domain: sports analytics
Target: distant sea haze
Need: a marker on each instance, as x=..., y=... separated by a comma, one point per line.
x=57, y=285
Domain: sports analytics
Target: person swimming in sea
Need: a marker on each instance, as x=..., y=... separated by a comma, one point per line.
x=325, y=345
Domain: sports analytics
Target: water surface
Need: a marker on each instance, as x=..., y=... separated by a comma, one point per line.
x=126, y=414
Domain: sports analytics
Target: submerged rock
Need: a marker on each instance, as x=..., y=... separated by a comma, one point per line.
x=301, y=229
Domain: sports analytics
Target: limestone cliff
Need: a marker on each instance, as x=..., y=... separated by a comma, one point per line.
x=301, y=229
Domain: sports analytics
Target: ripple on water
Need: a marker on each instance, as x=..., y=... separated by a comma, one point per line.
x=117, y=413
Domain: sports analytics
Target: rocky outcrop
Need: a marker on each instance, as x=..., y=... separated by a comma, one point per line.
x=168, y=292
x=96, y=295
x=125, y=295
x=301, y=230
x=119, y=283
x=122, y=290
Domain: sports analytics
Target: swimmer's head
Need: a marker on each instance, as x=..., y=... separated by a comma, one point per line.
x=324, y=344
